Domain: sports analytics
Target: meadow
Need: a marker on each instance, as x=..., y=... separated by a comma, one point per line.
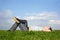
x=32, y=35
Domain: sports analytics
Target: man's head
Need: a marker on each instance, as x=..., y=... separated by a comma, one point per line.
x=47, y=28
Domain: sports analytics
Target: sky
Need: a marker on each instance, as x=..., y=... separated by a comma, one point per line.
x=38, y=13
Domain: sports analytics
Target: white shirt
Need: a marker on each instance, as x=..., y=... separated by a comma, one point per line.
x=35, y=28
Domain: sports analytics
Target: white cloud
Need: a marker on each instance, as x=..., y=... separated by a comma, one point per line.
x=43, y=19
x=43, y=15
x=5, y=19
x=54, y=21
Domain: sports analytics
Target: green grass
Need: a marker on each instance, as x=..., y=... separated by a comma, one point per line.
x=36, y=35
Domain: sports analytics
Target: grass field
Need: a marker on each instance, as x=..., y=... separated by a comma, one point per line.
x=36, y=35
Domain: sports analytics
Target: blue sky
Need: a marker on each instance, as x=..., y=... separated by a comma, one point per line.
x=37, y=12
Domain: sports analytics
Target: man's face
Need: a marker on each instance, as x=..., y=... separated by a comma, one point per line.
x=46, y=28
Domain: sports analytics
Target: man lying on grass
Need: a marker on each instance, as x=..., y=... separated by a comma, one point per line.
x=23, y=25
